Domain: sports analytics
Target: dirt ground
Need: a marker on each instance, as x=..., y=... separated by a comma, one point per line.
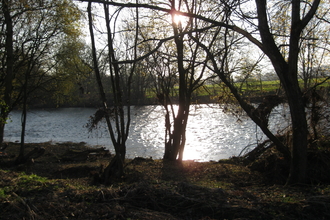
x=60, y=185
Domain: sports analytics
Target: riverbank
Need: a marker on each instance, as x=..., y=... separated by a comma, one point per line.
x=52, y=187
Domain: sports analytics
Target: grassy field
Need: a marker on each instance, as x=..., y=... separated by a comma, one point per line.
x=249, y=89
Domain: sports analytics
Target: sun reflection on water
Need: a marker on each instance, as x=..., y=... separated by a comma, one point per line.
x=191, y=154
x=210, y=135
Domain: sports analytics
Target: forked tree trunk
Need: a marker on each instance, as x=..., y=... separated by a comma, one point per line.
x=115, y=167
x=174, y=148
x=287, y=71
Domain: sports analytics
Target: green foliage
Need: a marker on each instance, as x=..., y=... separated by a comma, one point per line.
x=2, y=193
x=4, y=110
x=69, y=16
x=22, y=181
x=32, y=179
x=39, y=28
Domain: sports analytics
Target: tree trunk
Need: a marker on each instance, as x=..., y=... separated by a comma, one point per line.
x=8, y=80
x=287, y=70
x=180, y=121
x=299, y=141
x=174, y=148
x=176, y=139
x=115, y=167
x=20, y=157
x=3, y=120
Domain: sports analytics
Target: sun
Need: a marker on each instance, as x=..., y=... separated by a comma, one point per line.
x=177, y=19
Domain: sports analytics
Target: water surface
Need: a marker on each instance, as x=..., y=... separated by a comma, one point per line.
x=211, y=133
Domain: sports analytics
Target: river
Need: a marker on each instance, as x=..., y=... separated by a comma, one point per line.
x=211, y=133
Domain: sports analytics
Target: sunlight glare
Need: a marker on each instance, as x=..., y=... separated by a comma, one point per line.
x=177, y=19
x=191, y=154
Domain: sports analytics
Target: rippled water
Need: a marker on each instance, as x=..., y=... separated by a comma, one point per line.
x=211, y=134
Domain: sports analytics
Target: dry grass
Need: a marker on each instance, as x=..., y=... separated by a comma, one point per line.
x=150, y=189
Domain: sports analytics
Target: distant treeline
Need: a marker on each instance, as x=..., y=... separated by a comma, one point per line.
x=86, y=94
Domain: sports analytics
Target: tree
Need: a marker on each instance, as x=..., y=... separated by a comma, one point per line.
x=248, y=71
x=29, y=50
x=121, y=97
x=191, y=75
x=178, y=71
x=7, y=66
x=287, y=71
x=286, y=67
x=314, y=52
x=75, y=82
x=257, y=27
